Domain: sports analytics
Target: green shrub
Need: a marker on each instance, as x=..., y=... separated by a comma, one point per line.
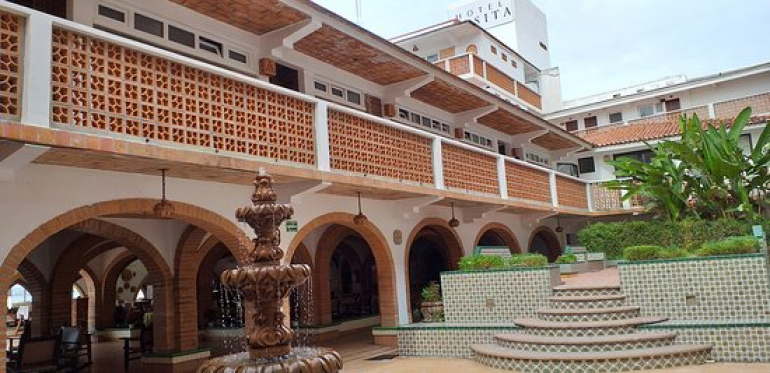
x=526, y=261
x=646, y=252
x=475, y=262
x=566, y=259
x=730, y=246
x=672, y=253
x=611, y=238
x=431, y=293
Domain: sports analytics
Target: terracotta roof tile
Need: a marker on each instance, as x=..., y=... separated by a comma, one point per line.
x=645, y=131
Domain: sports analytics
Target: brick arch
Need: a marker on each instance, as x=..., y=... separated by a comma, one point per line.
x=37, y=286
x=505, y=233
x=378, y=244
x=301, y=255
x=67, y=269
x=105, y=318
x=452, y=244
x=92, y=291
x=226, y=230
x=554, y=246
x=305, y=315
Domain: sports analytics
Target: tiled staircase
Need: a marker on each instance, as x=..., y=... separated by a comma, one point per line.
x=587, y=330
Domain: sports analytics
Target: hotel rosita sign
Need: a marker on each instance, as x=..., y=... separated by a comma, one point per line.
x=485, y=13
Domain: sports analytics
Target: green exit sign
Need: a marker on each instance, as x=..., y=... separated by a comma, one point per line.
x=291, y=226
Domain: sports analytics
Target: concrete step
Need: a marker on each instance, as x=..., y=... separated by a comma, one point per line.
x=587, y=301
x=584, y=329
x=572, y=290
x=528, y=342
x=615, y=361
x=588, y=314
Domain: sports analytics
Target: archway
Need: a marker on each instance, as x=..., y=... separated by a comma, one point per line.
x=161, y=277
x=334, y=226
x=106, y=316
x=301, y=299
x=432, y=247
x=37, y=285
x=496, y=234
x=544, y=241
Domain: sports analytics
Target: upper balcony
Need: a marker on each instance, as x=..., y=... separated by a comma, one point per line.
x=101, y=101
x=472, y=67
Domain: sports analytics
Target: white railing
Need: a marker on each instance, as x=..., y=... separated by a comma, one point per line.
x=36, y=110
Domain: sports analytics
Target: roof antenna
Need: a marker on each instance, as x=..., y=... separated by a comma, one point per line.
x=358, y=12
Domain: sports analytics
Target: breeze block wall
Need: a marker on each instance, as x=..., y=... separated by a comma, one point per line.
x=710, y=288
x=494, y=296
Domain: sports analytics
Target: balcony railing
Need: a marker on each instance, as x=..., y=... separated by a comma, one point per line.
x=470, y=63
x=108, y=86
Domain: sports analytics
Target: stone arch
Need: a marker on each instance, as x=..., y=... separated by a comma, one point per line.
x=472, y=49
x=451, y=240
x=105, y=318
x=37, y=286
x=380, y=249
x=502, y=231
x=546, y=234
x=227, y=231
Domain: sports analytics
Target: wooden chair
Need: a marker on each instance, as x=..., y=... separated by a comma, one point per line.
x=132, y=351
x=72, y=346
x=23, y=332
x=36, y=355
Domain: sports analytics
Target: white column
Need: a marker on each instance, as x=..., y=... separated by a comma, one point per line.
x=554, y=193
x=321, y=123
x=712, y=111
x=36, y=72
x=438, y=164
x=502, y=179
x=590, y=196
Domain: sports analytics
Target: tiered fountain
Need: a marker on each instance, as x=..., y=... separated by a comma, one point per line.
x=264, y=284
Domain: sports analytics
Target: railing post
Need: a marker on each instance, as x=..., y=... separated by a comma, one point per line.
x=502, y=178
x=590, y=196
x=438, y=164
x=36, y=72
x=554, y=192
x=321, y=123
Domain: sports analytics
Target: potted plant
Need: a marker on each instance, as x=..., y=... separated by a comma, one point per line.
x=431, y=306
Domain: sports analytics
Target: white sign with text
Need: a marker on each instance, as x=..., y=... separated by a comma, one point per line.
x=485, y=13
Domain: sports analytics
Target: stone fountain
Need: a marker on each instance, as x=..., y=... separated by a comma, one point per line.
x=264, y=283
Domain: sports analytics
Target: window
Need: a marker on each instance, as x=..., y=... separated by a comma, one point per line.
x=652, y=109
x=641, y=155
x=513, y=63
x=590, y=122
x=504, y=57
x=337, y=91
x=493, y=49
x=416, y=118
x=586, y=165
x=209, y=45
x=616, y=117
x=571, y=125
x=180, y=36
x=745, y=143
x=76, y=292
x=111, y=13
x=673, y=105
x=423, y=120
x=18, y=294
x=321, y=87
x=478, y=139
x=236, y=56
x=354, y=97
x=432, y=57
x=543, y=46
x=148, y=25
x=568, y=168
x=403, y=114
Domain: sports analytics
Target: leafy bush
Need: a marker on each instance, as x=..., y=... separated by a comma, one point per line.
x=730, y=246
x=431, y=293
x=566, y=259
x=526, y=261
x=611, y=238
x=672, y=253
x=477, y=261
x=647, y=252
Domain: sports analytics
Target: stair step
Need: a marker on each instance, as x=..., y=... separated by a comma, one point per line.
x=582, y=329
x=572, y=290
x=528, y=342
x=611, y=361
x=588, y=314
x=588, y=301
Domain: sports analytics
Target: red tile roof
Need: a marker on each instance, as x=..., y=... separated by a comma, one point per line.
x=646, y=130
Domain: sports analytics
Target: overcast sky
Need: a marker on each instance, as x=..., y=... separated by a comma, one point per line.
x=601, y=45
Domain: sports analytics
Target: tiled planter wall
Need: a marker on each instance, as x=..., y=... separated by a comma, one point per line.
x=494, y=297
x=733, y=342
x=716, y=288
x=446, y=340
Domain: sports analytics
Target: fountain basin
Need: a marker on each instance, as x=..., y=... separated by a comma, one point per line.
x=300, y=360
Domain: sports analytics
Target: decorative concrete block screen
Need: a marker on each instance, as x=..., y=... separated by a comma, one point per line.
x=363, y=146
x=469, y=170
x=605, y=199
x=10, y=70
x=571, y=193
x=716, y=288
x=104, y=87
x=527, y=183
x=495, y=296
